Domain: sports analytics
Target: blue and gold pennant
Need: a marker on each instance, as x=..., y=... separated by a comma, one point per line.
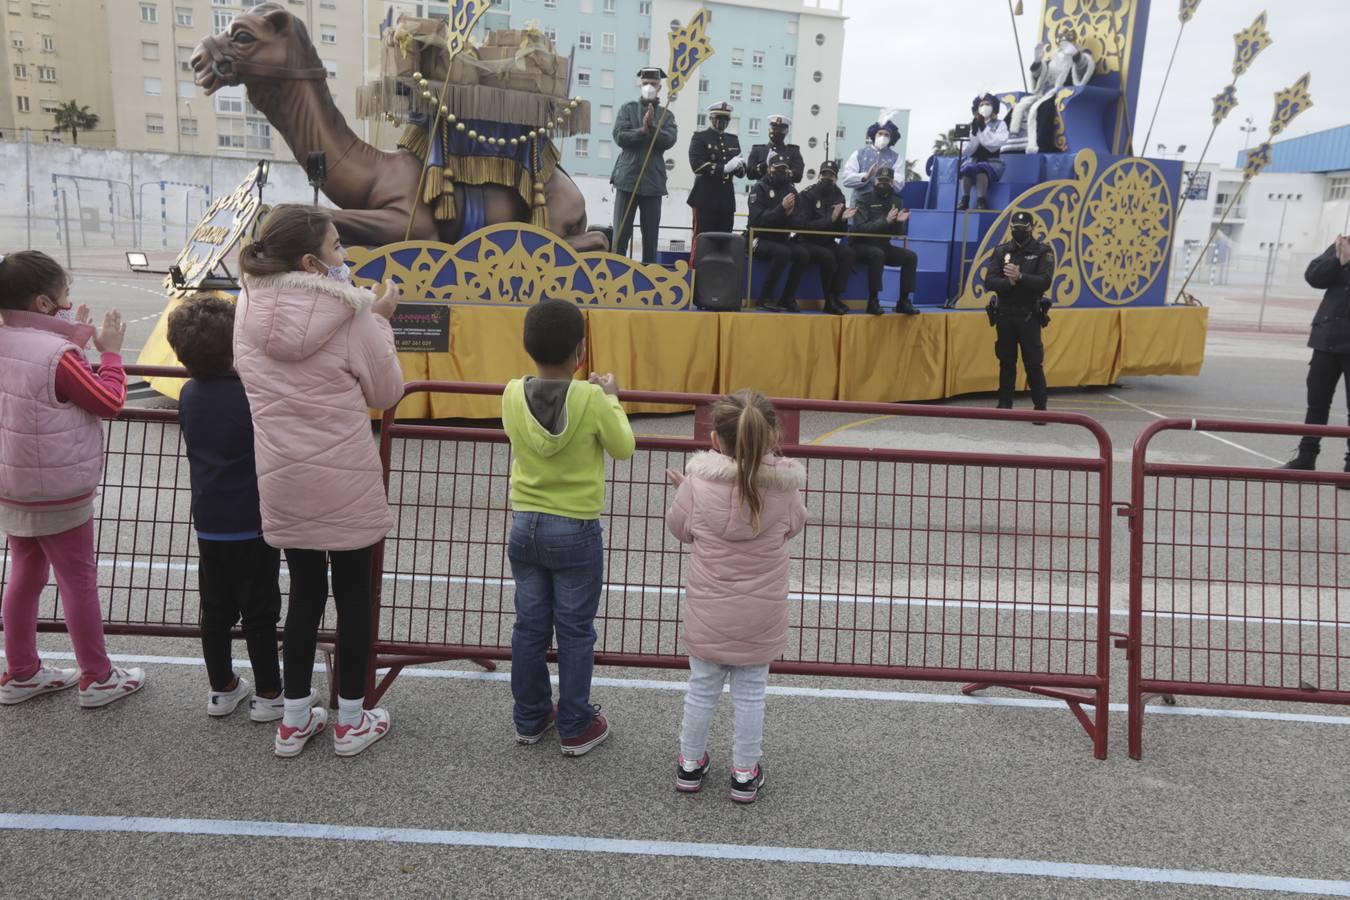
x=1188, y=8
x=1289, y=104
x=689, y=48
x=1249, y=42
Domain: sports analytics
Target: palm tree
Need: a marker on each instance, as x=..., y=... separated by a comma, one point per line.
x=911, y=173
x=72, y=117
x=946, y=144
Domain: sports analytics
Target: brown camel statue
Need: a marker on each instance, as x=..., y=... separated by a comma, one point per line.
x=269, y=51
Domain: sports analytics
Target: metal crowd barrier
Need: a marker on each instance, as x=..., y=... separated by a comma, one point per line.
x=991, y=569
x=1237, y=577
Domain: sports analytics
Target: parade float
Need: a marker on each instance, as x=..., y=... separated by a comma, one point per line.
x=474, y=216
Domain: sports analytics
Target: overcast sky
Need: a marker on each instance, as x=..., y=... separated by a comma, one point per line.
x=936, y=56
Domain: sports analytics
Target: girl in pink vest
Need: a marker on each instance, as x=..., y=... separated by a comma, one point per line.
x=51, y=460
x=739, y=505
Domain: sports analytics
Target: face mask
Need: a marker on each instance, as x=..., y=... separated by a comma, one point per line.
x=1021, y=235
x=881, y=141
x=342, y=273
x=780, y=179
x=66, y=314
x=884, y=188
x=719, y=124
x=649, y=92
x=827, y=181
x=986, y=110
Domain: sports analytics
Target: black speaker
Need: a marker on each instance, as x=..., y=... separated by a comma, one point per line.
x=316, y=167
x=719, y=276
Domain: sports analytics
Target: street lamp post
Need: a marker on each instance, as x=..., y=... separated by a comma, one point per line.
x=1247, y=128
x=1271, y=259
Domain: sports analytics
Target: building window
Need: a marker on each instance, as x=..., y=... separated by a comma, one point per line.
x=754, y=126
x=16, y=40
x=702, y=120
x=756, y=93
x=53, y=138
x=48, y=43
x=611, y=6
x=606, y=149
x=20, y=71
x=154, y=123
x=259, y=136
x=187, y=127
x=15, y=9
x=790, y=61
x=150, y=13
x=46, y=73
x=550, y=4
x=703, y=85
x=23, y=104
x=149, y=50
x=736, y=92
x=816, y=76
x=583, y=147
x=44, y=11
x=551, y=33
x=186, y=90
x=788, y=93
x=840, y=132
x=230, y=134
x=220, y=22
x=644, y=43
x=153, y=86
x=607, y=78
x=815, y=109
x=606, y=114
x=583, y=77
x=820, y=40
x=50, y=106
x=183, y=16
x=331, y=66
x=1338, y=188
x=757, y=59
x=737, y=56
x=645, y=8
x=584, y=40
x=607, y=42
x=328, y=34
x=230, y=101
x=184, y=59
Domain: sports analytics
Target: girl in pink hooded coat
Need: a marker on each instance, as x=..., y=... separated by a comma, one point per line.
x=739, y=505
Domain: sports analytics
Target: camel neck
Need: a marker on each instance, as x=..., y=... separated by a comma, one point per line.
x=304, y=114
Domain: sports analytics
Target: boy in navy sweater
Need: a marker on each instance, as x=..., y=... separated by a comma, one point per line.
x=238, y=572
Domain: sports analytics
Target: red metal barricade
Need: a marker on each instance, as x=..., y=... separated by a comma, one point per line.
x=1237, y=578
x=968, y=567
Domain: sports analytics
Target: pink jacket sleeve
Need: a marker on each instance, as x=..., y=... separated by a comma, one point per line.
x=796, y=514
x=678, y=518
x=374, y=361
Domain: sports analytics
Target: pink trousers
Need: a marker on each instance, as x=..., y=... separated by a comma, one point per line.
x=31, y=560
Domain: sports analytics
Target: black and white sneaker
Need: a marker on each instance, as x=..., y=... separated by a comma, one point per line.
x=745, y=790
x=690, y=781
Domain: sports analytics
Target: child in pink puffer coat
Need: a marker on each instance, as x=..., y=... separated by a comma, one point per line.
x=739, y=505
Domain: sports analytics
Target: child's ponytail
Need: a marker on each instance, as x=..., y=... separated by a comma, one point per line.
x=747, y=429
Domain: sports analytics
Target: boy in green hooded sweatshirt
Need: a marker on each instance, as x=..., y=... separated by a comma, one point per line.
x=560, y=430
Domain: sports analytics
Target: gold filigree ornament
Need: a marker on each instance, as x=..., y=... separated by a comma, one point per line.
x=1187, y=11
x=1102, y=27
x=1290, y=103
x=1257, y=160
x=1249, y=42
x=1126, y=231
x=689, y=48
x=1224, y=103
x=515, y=264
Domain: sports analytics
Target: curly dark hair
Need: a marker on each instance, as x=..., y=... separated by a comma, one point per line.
x=201, y=333
x=553, y=329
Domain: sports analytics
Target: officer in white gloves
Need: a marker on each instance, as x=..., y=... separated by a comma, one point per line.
x=715, y=157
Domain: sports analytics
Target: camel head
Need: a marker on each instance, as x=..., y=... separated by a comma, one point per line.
x=262, y=46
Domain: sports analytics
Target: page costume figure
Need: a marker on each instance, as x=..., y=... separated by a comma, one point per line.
x=860, y=172
x=988, y=134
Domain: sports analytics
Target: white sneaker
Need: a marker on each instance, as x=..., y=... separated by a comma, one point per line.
x=119, y=684
x=222, y=703
x=290, y=741
x=273, y=709
x=349, y=740
x=44, y=681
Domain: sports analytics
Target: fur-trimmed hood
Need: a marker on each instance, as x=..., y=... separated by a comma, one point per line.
x=291, y=316
x=714, y=477
x=775, y=473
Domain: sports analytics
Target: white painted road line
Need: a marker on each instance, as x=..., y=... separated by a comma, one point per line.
x=1236, y=446
x=777, y=690
x=816, y=856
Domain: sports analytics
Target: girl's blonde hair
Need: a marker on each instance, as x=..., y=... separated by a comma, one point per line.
x=747, y=430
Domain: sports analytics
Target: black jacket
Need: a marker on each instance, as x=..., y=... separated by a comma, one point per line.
x=1331, y=325
x=766, y=210
x=869, y=223
x=814, y=212
x=709, y=151
x=1037, y=262
x=217, y=427
x=757, y=163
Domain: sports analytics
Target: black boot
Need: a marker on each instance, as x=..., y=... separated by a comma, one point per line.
x=835, y=307
x=905, y=307
x=770, y=306
x=983, y=203
x=873, y=306
x=789, y=305
x=1345, y=485
x=1305, y=461
x=964, y=204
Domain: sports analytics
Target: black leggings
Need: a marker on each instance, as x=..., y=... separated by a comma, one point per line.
x=309, y=596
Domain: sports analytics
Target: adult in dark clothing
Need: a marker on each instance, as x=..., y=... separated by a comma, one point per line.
x=715, y=157
x=772, y=202
x=1020, y=273
x=1330, y=343
x=641, y=124
x=881, y=215
x=757, y=164
x=821, y=207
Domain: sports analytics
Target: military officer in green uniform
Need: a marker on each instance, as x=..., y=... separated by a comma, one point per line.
x=638, y=188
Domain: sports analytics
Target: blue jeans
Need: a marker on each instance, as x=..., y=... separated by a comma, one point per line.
x=559, y=565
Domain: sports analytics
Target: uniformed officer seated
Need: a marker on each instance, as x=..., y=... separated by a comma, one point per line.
x=1019, y=274
x=772, y=201
x=821, y=208
x=715, y=157
x=757, y=163
x=880, y=215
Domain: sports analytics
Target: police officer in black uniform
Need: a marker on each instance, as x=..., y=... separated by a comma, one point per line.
x=821, y=208
x=879, y=215
x=715, y=157
x=773, y=200
x=757, y=164
x=1020, y=273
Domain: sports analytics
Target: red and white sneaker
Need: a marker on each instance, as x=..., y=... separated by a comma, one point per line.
x=121, y=683
x=43, y=681
x=290, y=741
x=349, y=740
x=221, y=703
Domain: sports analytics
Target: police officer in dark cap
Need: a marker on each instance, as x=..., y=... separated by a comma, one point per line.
x=1020, y=273
x=879, y=215
x=773, y=201
x=757, y=164
x=821, y=207
x=715, y=157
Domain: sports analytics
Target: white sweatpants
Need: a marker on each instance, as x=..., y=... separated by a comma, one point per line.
x=748, y=685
